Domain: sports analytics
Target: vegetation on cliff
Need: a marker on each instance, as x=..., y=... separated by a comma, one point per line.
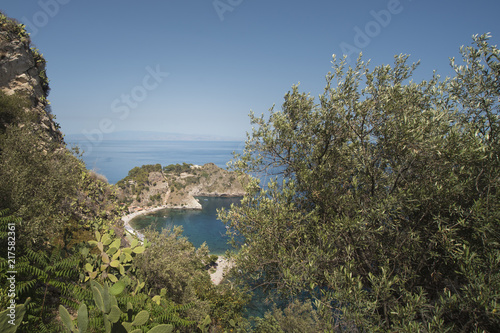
x=176, y=185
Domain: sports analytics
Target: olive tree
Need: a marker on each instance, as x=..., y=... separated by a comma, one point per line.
x=384, y=208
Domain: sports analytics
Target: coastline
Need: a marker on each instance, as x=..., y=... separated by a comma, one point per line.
x=127, y=218
x=223, y=265
x=193, y=204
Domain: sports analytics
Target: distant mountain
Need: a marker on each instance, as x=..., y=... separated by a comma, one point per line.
x=149, y=135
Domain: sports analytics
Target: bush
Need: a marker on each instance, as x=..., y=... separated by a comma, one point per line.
x=387, y=211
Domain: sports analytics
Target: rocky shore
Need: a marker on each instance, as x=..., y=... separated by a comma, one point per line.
x=152, y=186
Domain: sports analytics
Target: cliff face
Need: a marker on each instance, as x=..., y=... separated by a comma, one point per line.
x=178, y=188
x=23, y=72
x=40, y=180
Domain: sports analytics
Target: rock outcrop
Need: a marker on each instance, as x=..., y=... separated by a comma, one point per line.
x=178, y=188
x=23, y=72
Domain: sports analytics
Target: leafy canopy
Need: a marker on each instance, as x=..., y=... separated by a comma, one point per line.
x=384, y=208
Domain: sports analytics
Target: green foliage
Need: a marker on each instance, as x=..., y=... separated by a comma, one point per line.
x=10, y=319
x=177, y=168
x=140, y=174
x=42, y=277
x=83, y=319
x=228, y=303
x=42, y=182
x=12, y=113
x=386, y=208
x=296, y=317
x=16, y=30
x=138, y=180
x=106, y=302
x=112, y=259
x=175, y=271
x=155, y=198
x=40, y=63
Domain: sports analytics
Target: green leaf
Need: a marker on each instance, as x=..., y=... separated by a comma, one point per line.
x=83, y=318
x=105, y=258
x=114, y=263
x=141, y=318
x=127, y=250
x=98, y=298
x=128, y=257
x=134, y=243
x=85, y=251
x=116, y=254
x=111, y=251
x=106, y=240
x=106, y=297
x=140, y=286
x=89, y=268
x=98, y=236
x=117, y=288
x=128, y=326
x=66, y=318
x=114, y=314
x=116, y=243
x=139, y=249
x=112, y=278
x=107, y=324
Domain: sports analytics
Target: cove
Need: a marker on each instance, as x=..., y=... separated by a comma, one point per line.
x=199, y=225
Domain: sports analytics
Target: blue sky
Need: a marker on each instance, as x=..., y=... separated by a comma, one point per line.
x=200, y=66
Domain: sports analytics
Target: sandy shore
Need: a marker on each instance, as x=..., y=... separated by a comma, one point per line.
x=127, y=218
x=223, y=266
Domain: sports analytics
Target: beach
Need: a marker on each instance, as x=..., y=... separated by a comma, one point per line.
x=127, y=218
x=223, y=266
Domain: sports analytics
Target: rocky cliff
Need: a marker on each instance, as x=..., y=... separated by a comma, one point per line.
x=23, y=72
x=40, y=180
x=177, y=186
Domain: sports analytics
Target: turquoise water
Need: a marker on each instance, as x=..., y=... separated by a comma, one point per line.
x=199, y=225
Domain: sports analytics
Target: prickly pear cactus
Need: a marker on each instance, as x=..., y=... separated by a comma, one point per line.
x=105, y=300
x=112, y=259
x=82, y=319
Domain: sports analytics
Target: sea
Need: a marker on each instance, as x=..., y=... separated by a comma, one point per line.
x=114, y=159
x=199, y=226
